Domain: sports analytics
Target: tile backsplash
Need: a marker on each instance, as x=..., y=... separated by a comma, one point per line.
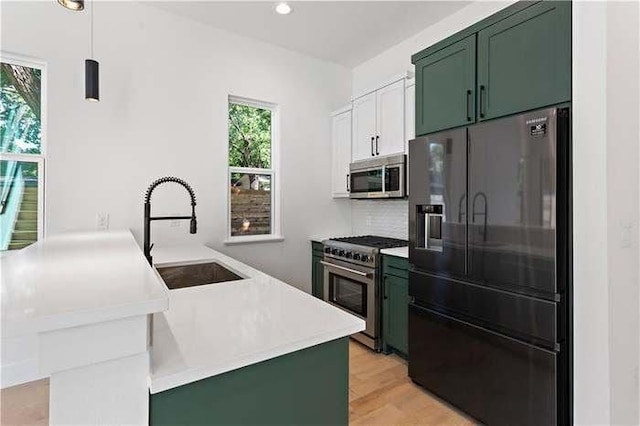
x=386, y=218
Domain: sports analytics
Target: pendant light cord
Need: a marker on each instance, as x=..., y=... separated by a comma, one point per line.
x=91, y=31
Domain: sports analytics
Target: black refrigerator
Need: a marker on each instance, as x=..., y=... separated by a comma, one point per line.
x=490, y=268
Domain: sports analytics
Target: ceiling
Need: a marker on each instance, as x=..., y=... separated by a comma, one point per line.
x=344, y=32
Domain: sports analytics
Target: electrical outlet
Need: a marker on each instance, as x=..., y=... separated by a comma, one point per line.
x=102, y=221
x=626, y=239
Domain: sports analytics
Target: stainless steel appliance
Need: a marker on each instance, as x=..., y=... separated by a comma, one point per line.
x=490, y=261
x=380, y=177
x=352, y=280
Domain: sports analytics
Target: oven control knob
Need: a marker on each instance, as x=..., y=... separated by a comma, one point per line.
x=366, y=258
x=334, y=251
x=341, y=253
x=356, y=256
x=327, y=249
x=349, y=255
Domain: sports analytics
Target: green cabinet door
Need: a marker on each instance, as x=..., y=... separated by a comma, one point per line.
x=524, y=61
x=395, y=312
x=317, y=271
x=317, y=277
x=445, y=87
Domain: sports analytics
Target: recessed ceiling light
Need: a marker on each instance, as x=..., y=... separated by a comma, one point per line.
x=283, y=8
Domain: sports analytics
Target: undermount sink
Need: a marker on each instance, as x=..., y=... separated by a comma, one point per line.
x=197, y=274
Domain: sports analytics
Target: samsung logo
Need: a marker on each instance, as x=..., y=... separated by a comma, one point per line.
x=537, y=120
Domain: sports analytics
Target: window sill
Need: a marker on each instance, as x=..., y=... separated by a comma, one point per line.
x=254, y=239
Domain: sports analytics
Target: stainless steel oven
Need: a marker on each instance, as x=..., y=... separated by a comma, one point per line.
x=380, y=177
x=352, y=280
x=352, y=288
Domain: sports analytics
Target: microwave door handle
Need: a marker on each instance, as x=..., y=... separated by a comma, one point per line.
x=384, y=179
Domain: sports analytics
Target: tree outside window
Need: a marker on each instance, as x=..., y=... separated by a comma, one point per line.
x=251, y=172
x=21, y=167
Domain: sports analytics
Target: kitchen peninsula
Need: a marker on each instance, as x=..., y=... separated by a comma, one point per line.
x=110, y=334
x=248, y=351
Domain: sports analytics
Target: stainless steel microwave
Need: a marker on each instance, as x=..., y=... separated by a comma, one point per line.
x=381, y=177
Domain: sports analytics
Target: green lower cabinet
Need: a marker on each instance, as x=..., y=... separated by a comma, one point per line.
x=395, y=309
x=317, y=271
x=307, y=387
x=395, y=313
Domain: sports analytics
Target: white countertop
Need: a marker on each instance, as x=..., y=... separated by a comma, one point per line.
x=216, y=328
x=76, y=279
x=397, y=252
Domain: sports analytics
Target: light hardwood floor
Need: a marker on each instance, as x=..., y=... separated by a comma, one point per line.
x=26, y=404
x=380, y=393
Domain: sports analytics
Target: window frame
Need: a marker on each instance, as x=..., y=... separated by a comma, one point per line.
x=273, y=172
x=39, y=159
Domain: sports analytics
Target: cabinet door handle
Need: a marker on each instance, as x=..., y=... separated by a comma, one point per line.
x=372, y=154
x=384, y=288
x=468, y=107
x=481, y=101
x=377, y=138
x=347, y=182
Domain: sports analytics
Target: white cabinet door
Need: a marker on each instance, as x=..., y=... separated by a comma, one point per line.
x=390, y=119
x=341, y=154
x=364, y=126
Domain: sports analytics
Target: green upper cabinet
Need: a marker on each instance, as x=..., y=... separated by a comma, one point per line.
x=445, y=86
x=524, y=60
x=516, y=60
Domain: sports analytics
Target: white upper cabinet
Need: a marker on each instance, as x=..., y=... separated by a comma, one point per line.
x=364, y=127
x=379, y=122
x=341, y=152
x=390, y=119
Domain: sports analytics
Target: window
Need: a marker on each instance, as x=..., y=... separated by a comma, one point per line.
x=22, y=137
x=253, y=209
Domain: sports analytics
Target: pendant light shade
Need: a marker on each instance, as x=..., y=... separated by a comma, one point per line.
x=91, y=80
x=75, y=5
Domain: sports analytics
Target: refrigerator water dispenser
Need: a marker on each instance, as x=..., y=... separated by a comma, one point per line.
x=429, y=227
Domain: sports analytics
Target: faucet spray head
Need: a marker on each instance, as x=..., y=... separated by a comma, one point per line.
x=194, y=225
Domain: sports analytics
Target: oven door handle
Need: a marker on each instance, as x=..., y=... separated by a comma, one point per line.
x=342, y=268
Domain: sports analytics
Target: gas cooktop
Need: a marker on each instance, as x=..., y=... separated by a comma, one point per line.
x=372, y=241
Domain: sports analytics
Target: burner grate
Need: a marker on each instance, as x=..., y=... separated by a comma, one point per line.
x=373, y=241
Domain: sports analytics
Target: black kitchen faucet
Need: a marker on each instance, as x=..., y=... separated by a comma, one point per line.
x=147, y=212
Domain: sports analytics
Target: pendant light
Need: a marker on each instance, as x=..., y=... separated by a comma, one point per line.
x=75, y=5
x=91, y=71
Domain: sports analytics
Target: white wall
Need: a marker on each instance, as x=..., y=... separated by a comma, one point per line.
x=606, y=192
x=623, y=138
x=591, y=306
x=163, y=111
